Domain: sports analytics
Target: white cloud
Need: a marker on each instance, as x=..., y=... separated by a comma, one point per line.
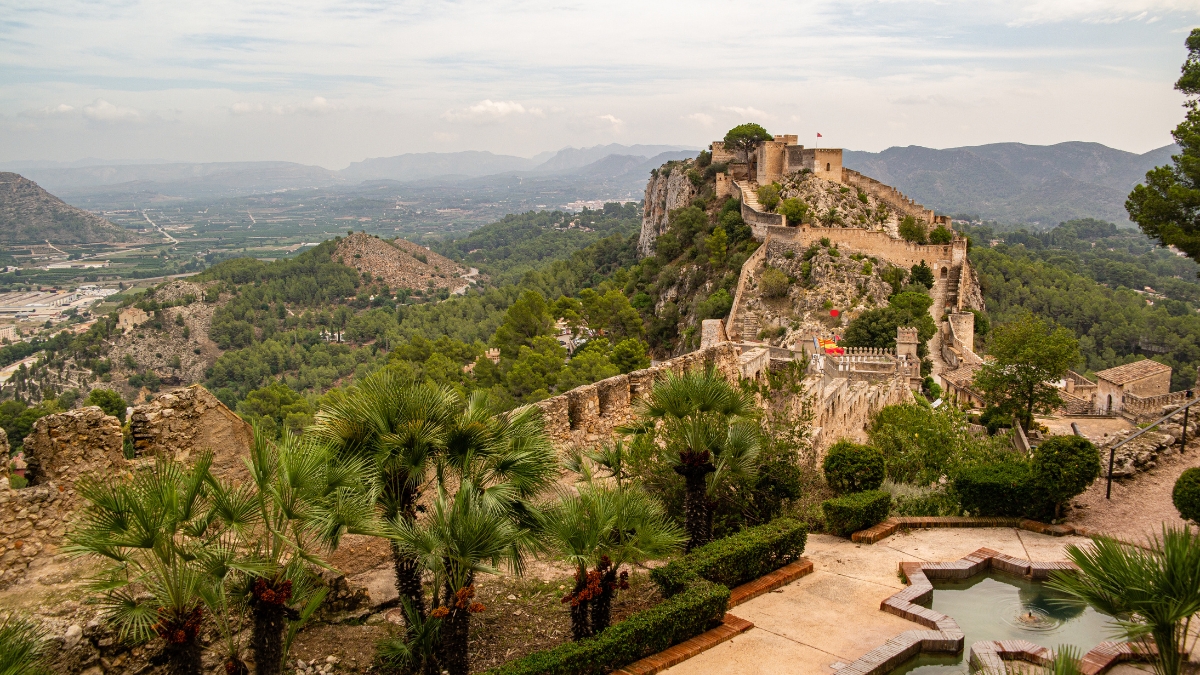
x=700, y=118
x=487, y=109
x=748, y=112
x=103, y=111
x=50, y=111
x=317, y=106
x=611, y=119
x=1094, y=11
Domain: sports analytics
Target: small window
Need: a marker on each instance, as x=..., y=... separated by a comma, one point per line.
x=827, y=166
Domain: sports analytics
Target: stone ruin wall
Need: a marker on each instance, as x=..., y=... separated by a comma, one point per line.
x=65, y=447
x=188, y=421
x=61, y=449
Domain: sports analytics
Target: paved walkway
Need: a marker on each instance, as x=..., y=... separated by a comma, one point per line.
x=833, y=615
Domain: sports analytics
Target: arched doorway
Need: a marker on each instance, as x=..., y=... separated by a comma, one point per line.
x=945, y=271
x=1109, y=410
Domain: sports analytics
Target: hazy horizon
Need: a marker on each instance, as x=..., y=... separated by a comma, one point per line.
x=328, y=84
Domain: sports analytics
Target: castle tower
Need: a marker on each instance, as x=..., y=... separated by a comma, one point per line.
x=906, y=347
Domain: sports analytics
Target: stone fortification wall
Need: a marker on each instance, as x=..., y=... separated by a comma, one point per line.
x=889, y=195
x=186, y=422
x=61, y=449
x=666, y=192
x=872, y=242
x=749, y=270
x=843, y=403
x=588, y=415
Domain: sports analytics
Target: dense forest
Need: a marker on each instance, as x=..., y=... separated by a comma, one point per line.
x=1124, y=297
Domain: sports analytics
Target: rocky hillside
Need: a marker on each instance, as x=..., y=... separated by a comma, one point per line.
x=173, y=345
x=832, y=204
x=29, y=214
x=400, y=263
x=793, y=294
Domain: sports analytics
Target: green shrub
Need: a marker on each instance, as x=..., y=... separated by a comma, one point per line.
x=680, y=617
x=773, y=283
x=941, y=235
x=17, y=482
x=1186, y=495
x=794, y=210
x=1064, y=466
x=996, y=489
x=768, y=196
x=918, y=501
x=850, y=467
x=736, y=559
x=851, y=513
x=912, y=230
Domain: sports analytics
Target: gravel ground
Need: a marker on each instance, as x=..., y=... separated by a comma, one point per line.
x=1140, y=506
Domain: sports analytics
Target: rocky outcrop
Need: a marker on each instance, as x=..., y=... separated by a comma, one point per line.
x=176, y=347
x=400, y=263
x=63, y=447
x=187, y=422
x=1143, y=452
x=668, y=190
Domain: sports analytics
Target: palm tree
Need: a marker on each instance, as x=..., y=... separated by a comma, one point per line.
x=708, y=430
x=399, y=428
x=468, y=532
x=598, y=530
x=22, y=647
x=414, y=652
x=492, y=468
x=1154, y=592
x=154, y=532
x=299, y=502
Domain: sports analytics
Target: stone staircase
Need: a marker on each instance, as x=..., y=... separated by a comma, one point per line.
x=749, y=195
x=951, y=293
x=749, y=325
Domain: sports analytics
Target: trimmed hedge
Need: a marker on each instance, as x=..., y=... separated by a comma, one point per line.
x=851, y=513
x=1063, y=467
x=1004, y=489
x=685, y=615
x=736, y=559
x=1186, y=495
x=850, y=467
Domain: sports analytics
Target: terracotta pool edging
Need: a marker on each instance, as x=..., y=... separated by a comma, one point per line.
x=731, y=626
x=890, y=526
x=944, y=634
x=989, y=656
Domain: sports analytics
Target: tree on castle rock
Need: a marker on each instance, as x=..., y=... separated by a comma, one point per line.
x=745, y=137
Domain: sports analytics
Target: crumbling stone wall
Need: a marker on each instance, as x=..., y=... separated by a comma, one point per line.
x=61, y=449
x=187, y=422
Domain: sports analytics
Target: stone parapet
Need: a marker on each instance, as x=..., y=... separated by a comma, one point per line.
x=66, y=446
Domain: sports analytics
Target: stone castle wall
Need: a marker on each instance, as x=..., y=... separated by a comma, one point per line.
x=873, y=243
x=889, y=195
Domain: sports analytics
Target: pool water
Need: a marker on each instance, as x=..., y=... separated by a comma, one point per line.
x=1002, y=607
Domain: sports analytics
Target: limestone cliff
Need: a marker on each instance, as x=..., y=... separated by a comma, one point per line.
x=668, y=189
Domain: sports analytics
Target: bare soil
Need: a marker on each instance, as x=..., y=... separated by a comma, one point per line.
x=1140, y=505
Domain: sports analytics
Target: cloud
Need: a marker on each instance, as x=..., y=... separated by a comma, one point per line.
x=487, y=109
x=1094, y=11
x=103, y=111
x=611, y=119
x=748, y=112
x=318, y=105
x=701, y=119
x=50, y=111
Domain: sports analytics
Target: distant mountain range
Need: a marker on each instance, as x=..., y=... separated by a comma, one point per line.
x=30, y=215
x=1008, y=182
x=1014, y=182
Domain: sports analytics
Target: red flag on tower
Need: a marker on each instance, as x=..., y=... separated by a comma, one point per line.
x=818, y=134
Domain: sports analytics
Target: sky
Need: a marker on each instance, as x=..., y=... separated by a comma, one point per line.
x=332, y=82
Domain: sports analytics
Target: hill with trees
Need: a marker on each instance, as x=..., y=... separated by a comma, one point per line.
x=29, y=214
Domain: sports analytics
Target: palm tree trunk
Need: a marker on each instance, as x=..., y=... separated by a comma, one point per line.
x=270, y=613
x=602, y=604
x=455, y=632
x=695, y=503
x=408, y=578
x=580, y=626
x=1166, y=639
x=183, y=658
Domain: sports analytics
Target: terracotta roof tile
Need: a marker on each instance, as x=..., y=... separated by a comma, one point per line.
x=1132, y=371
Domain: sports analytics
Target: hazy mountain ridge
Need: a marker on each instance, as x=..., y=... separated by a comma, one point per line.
x=29, y=214
x=1014, y=182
